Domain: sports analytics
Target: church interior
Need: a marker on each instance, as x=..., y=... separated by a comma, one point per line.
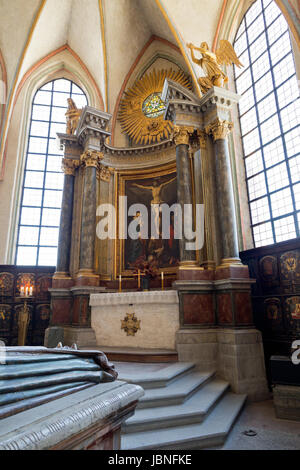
x=122, y=121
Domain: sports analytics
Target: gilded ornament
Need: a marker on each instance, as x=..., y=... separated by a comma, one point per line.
x=211, y=63
x=219, y=129
x=104, y=173
x=141, y=109
x=181, y=134
x=69, y=166
x=91, y=158
x=130, y=324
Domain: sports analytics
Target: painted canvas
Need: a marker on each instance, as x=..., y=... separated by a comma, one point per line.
x=149, y=191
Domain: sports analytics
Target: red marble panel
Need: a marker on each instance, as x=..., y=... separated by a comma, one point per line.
x=195, y=274
x=198, y=309
x=243, y=308
x=81, y=311
x=61, y=311
x=225, y=314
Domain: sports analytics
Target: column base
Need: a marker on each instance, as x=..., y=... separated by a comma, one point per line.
x=190, y=270
x=87, y=277
x=68, y=335
x=62, y=280
x=231, y=268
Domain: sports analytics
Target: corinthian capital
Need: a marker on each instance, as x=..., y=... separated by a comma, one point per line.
x=91, y=158
x=181, y=134
x=69, y=166
x=219, y=129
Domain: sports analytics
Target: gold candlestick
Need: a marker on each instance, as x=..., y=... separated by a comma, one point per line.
x=120, y=283
x=139, y=279
x=162, y=280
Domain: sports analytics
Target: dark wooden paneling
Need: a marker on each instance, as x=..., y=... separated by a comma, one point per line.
x=276, y=295
x=11, y=303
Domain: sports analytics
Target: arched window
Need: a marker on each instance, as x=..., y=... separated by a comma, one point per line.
x=43, y=179
x=270, y=122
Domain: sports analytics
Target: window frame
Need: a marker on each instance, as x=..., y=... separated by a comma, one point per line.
x=49, y=139
x=295, y=213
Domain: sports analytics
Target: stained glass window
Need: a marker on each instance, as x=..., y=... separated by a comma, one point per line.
x=153, y=106
x=43, y=179
x=269, y=112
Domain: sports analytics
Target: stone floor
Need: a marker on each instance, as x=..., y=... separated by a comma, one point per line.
x=272, y=433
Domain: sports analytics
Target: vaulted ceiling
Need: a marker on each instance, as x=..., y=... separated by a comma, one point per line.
x=107, y=35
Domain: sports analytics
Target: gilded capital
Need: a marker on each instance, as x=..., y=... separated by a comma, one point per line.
x=91, y=158
x=69, y=166
x=181, y=134
x=219, y=129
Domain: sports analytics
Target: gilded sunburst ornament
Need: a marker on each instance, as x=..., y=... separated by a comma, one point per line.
x=142, y=109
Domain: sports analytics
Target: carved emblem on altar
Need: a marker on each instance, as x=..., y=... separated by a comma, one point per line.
x=142, y=109
x=130, y=324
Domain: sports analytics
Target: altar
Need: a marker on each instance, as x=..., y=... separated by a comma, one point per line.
x=136, y=319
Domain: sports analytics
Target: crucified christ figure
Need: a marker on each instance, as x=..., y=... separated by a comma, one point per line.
x=156, y=200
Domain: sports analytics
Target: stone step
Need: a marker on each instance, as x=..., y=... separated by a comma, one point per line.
x=211, y=432
x=154, y=379
x=177, y=392
x=145, y=356
x=191, y=411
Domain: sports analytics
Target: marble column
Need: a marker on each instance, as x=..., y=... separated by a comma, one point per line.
x=225, y=197
x=86, y=274
x=184, y=188
x=65, y=229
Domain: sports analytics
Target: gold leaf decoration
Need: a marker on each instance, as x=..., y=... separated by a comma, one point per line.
x=152, y=128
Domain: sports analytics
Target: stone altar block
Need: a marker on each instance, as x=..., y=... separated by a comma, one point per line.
x=158, y=312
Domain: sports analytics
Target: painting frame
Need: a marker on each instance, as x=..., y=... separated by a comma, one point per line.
x=121, y=177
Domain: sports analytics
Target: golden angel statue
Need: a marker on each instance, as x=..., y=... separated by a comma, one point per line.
x=211, y=63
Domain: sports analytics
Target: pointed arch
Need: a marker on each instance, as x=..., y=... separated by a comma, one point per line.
x=8, y=109
x=40, y=69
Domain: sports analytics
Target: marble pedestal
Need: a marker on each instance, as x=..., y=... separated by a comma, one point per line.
x=157, y=311
x=236, y=354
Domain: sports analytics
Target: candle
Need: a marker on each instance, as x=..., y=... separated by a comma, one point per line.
x=30, y=290
x=26, y=291
x=139, y=279
x=120, y=283
x=162, y=280
x=22, y=290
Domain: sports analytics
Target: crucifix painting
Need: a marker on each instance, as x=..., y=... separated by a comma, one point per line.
x=152, y=192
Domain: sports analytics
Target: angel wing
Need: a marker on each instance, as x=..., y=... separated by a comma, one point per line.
x=226, y=55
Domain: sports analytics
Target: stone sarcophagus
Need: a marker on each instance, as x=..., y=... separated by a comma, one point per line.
x=61, y=398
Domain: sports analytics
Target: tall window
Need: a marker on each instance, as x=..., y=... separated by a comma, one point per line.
x=270, y=122
x=43, y=178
